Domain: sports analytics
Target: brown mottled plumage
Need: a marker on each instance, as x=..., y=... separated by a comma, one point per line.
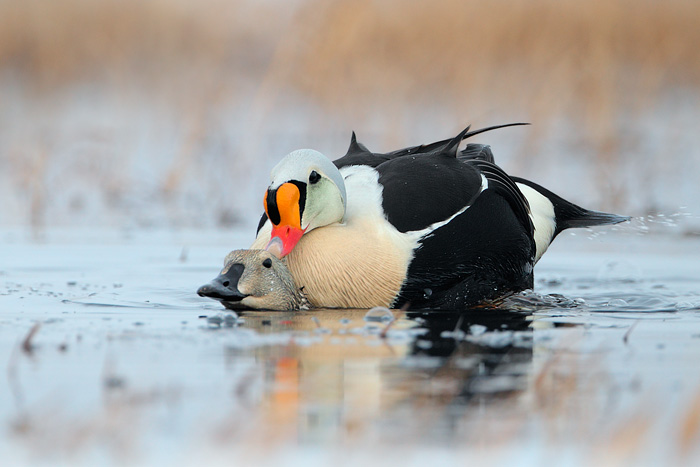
x=263, y=282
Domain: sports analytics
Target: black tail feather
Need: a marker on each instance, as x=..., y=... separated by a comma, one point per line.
x=585, y=218
x=569, y=215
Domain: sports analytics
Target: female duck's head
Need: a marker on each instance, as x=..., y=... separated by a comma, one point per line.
x=254, y=279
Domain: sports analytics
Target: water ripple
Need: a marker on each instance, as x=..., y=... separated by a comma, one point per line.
x=624, y=302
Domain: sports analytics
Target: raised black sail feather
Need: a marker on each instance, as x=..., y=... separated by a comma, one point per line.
x=358, y=154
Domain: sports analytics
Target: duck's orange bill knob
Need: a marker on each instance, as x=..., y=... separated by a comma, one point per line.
x=283, y=209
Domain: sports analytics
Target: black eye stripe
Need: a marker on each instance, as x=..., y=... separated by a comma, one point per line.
x=314, y=177
x=272, y=210
x=302, y=196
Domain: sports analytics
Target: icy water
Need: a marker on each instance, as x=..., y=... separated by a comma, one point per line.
x=109, y=358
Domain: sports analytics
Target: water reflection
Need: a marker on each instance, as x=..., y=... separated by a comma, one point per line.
x=338, y=373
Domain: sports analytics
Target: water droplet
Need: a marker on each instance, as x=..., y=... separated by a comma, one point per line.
x=230, y=320
x=379, y=314
x=215, y=320
x=617, y=303
x=477, y=329
x=424, y=344
x=457, y=334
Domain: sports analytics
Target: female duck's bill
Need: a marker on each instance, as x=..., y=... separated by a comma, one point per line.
x=254, y=279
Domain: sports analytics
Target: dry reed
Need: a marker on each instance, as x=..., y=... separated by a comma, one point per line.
x=592, y=64
x=557, y=55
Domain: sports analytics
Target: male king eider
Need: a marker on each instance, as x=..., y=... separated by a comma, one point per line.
x=428, y=226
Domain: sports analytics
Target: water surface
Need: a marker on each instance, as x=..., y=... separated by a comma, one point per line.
x=110, y=357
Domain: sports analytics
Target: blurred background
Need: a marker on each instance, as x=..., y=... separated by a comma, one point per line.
x=170, y=113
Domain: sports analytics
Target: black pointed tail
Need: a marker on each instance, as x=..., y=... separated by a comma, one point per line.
x=569, y=215
x=579, y=217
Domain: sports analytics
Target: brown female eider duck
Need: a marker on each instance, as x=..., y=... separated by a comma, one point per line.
x=255, y=279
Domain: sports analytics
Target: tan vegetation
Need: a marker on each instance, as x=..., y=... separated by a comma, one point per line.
x=558, y=55
x=385, y=66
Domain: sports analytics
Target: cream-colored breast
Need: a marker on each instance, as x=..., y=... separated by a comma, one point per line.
x=348, y=266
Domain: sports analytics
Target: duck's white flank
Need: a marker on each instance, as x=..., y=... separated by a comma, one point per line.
x=542, y=215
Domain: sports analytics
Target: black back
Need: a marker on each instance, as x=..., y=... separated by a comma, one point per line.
x=451, y=178
x=484, y=252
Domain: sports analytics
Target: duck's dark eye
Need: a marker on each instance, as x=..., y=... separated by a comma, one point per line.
x=314, y=177
x=267, y=263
